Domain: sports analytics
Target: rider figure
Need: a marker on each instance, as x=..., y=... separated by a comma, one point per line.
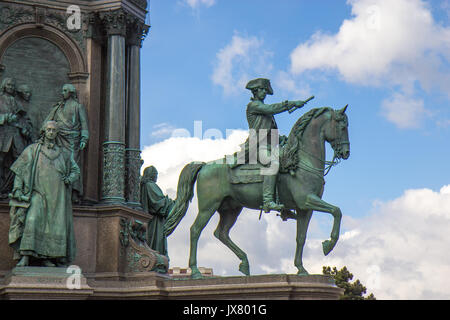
x=261, y=122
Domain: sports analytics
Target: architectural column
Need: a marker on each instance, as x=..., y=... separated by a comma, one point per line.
x=136, y=33
x=113, y=186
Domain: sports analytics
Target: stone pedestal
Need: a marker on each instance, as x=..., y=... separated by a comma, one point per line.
x=259, y=287
x=117, y=264
x=43, y=283
x=152, y=285
x=52, y=283
x=109, y=239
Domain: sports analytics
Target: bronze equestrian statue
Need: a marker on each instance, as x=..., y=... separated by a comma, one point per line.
x=300, y=185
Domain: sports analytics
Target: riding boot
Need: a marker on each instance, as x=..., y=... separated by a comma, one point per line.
x=268, y=194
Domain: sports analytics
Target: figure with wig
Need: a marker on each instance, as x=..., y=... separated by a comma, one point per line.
x=15, y=132
x=41, y=229
x=73, y=129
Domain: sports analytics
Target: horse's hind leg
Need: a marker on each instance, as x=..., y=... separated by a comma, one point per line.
x=206, y=211
x=228, y=216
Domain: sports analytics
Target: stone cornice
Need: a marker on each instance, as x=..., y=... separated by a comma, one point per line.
x=137, y=8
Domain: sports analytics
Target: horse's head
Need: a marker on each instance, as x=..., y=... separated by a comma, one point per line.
x=336, y=133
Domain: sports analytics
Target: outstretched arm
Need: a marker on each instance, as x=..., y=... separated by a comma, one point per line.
x=268, y=109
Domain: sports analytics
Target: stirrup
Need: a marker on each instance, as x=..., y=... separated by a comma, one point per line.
x=268, y=206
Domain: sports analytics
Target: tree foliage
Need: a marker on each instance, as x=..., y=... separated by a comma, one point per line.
x=352, y=290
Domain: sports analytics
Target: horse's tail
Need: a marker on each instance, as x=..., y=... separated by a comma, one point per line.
x=185, y=193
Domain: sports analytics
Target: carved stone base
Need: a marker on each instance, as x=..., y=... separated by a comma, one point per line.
x=259, y=287
x=32, y=283
x=117, y=264
x=109, y=239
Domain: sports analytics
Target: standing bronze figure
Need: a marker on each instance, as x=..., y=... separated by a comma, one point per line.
x=41, y=225
x=15, y=132
x=73, y=129
x=158, y=205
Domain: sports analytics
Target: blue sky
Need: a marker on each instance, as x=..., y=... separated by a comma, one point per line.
x=389, y=60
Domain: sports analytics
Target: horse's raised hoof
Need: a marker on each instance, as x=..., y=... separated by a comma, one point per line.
x=327, y=246
x=302, y=271
x=244, y=267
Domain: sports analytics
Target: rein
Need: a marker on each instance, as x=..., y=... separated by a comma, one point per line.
x=329, y=164
x=317, y=171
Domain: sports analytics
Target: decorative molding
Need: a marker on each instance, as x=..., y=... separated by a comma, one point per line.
x=120, y=22
x=58, y=37
x=114, y=22
x=78, y=76
x=140, y=3
x=137, y=31
x=113, y=172
x=12, y=15
x=139, y=256
x=132, y=172
x=132, y=229
x=59, y=20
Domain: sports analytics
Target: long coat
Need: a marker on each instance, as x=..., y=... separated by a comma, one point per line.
x=73, y=128
x=47, y=230
x=10, y=133
x=261, y=122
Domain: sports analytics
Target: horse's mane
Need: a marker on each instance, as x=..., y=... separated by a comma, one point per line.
x=289, y=156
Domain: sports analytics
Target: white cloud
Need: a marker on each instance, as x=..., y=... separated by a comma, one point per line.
x=240, y=61
x=194, y=4
x=385, y=43
x=163, y=130
x=404, y=111
x=398, y=251
x=171, y=155
x=289, y=84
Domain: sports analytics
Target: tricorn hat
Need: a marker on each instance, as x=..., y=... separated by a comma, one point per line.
x=260, y=83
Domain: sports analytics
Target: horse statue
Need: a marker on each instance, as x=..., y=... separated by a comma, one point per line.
x=300, y=186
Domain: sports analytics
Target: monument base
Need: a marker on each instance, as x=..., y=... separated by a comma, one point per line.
x=117, y=264
x=258, y=287
x=52, y=283
x=45, y=283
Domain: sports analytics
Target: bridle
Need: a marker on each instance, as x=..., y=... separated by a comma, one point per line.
x=337, y=145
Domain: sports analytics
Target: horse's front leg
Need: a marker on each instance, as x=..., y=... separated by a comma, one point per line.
x=313, y=202
x=303, y=218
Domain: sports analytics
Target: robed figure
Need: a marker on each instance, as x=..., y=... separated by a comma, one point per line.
x=41, y=207
x=158, y=205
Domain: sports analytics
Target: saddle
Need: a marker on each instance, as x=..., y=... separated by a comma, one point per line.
x=245, y=173
x=239, y=173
